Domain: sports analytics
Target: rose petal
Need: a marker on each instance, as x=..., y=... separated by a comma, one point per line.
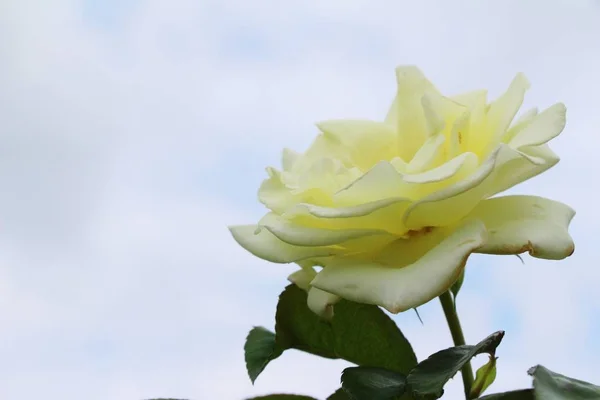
x=298, y=235
x=265, y=245
x=407, y=113
x=444, y=171
x=428, y=155
x=476, y=99
x=499, y=117
x=367, y=142
x=476, y=103
x=434, y=119
x=440, y=111
x=380, y=182
x=416, y=279
x=519, y=124
x=302, y=277
x=385, y=214
x=527, y=163
x=274, y=194
x=452, y=203
x=543, y=127
x=288, y=159
x=323, y=147
x=321, y=302
x=503, y=110
x=459, y=134
x=517, y=224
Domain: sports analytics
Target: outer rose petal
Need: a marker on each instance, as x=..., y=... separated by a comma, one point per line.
x=543, y=127
x=505, y=168
x=298, y=235
x=381, y=214
x=321, y=302
x=268, y=247
x=274, y=194
x=416, y=279
x=528, y=162
x=302, y=277
x=367, y=142
x=517, y=224
x=288, y=159
x=519, y=124
x=323, y=147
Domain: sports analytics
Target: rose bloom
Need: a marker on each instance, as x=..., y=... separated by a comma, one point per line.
x=387, y=213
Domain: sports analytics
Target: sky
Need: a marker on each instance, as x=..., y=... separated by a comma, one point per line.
x=133, y=132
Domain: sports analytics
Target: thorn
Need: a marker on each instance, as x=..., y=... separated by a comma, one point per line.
x=418, y=316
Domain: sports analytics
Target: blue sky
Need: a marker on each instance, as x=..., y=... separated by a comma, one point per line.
x=132, y=133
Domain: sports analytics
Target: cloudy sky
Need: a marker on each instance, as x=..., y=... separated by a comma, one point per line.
x=133, y=132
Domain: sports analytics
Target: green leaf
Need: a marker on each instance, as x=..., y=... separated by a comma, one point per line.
x=368, y=383
x=359, y=333
x=455, y=288
x=549, y=385
x=259, y=350
x=429, y=377
x=339, y=394
x=484, y=377
x=283, y=397
x=523, y=394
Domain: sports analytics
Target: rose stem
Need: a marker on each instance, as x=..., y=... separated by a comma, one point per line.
x=457, y=337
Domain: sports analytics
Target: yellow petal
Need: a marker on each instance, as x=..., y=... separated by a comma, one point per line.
x=519, y=124
x=476, y=103
x=367, y=142
x=428, y=155
x=459, y=135
x=265, y=245
x=385, y=214
x=408, y=111
x=321, y=302
x=298, y=235
x=274, y=194
x=399, y=164
x=503, y=110
x=440, y=111
x=499, y=116
x=543, y=127
x=434, y=120
x=302, y=277
x=527, y=163
x=452, y=203
x=444, y=171
x=474, y=100
x=517, y=224
x=414, y=279
x=288, y=159
x=324, y=146
x=380, y=182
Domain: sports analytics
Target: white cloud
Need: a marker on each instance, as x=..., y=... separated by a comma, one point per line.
x=125, y=150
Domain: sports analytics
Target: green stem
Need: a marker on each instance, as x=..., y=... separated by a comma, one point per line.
x=458, y=338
